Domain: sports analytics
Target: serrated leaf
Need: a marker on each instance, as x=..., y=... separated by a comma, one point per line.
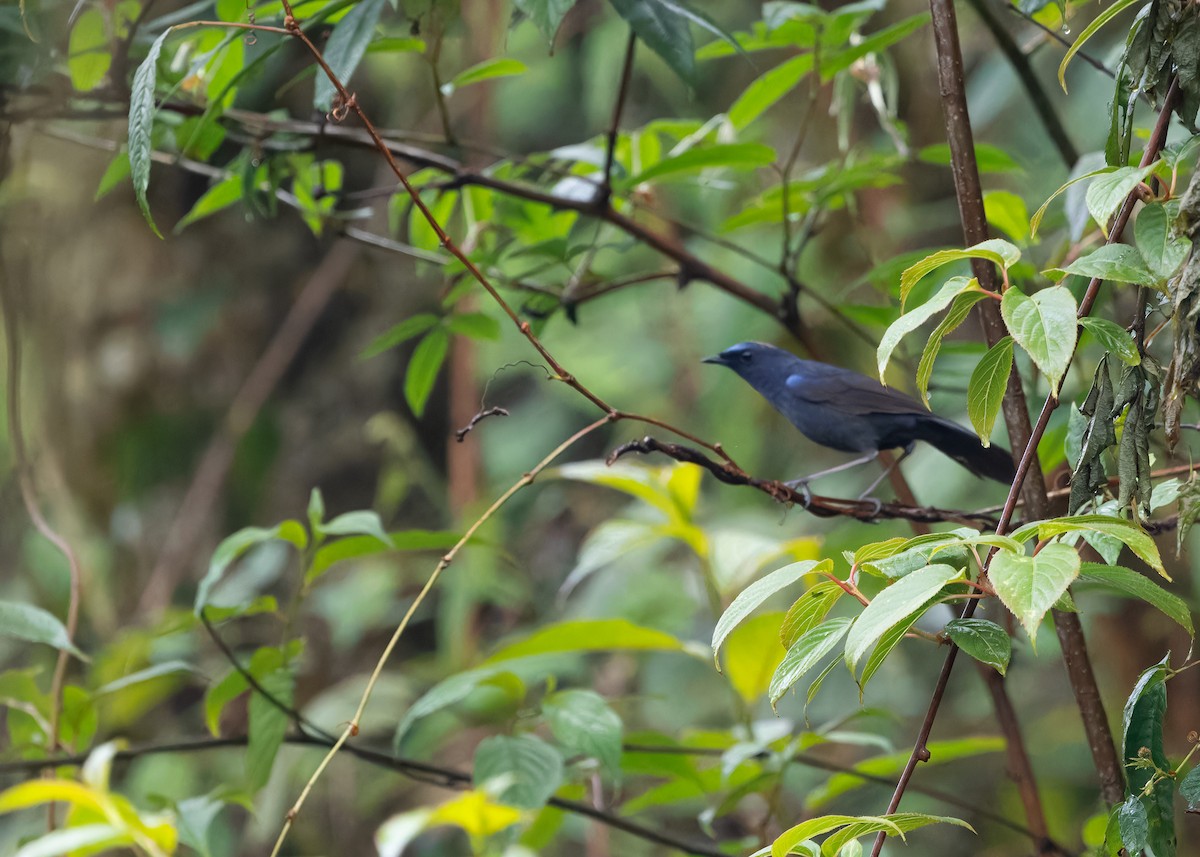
x=884, y=647
x=345, y=49
x=809, y=610
x=532, y=769
x=893, y=605
x=1126, y=581
x=583, y=724
x=1119, y=263
x=141, y=125
x=1036, y=220
x=1161, y=248
x=267, y=726
x=1090, y=30
x=805, y=654
x=1115, y=339
x=793, y=836
x=1130, y=534
x=663, y=31
x=994, y=250
x=1029, y=585
x=913, y=319
x=34, y=625
x=1108, y=191
x=1142, y=741
x=985, y=641
x=423, y=369
x=1189, y=787
x=752, y=597
x=837, y=843
x=959, y=310
x=985, y=390
x=1045, y=325
x=1133, y=824
x=547, y=15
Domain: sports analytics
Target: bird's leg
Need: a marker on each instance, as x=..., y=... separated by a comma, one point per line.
x=796, y=484
x=907, y=452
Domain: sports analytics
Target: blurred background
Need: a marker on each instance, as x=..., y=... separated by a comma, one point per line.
x=176, y=390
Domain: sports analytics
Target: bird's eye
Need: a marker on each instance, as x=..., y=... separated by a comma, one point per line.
x=746, y=356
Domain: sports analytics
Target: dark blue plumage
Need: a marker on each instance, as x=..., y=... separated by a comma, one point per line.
x=847, y=411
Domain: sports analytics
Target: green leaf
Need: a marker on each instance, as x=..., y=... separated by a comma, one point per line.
x=1126, y=581
x=884, y=647
x=141, y=124
x=1142, y=743
x=1115, y=339
x=872, y=44
x=1128, y=532
x=958, y=313
x=764, y=92
x=809, y=610
x=267, y=726
x=805, y=654
x=1045, y=326
x=750, y=598
x=793, y=836
x=532, y=769
x=115, y=173
x=1162, y=249
x=232, y=547
x=1029, y=585
x=89, y=53
x=400, y=333
x=752, y=654
x=913, y=319
x=584, y=724
x=476, y=325
x=84, y=839
x=1008, y=213
x=1133, y=824
x=1119, y=263
x=894, y=604
x=989, y=159
x=423, y=369
x=1189, y=787
x=219, y=695
x=489, y=69
x=837, y=845
x=743, y=156
x=985, y=641
x=547, y=15
x=1108, y=191
x=663, y=31
x=994, y=250
x=363, y=522
x=1036, y=220
x=985, y=390
x=35, y=625
x=221, y=195
x=589, y=635
x=150, y=673
x=345, y=48
x=1090, y=30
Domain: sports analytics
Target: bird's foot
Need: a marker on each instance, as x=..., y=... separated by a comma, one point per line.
x=800, y=486
x=877, y=503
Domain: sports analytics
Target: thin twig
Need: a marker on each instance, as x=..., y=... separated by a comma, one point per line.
x=614, y=127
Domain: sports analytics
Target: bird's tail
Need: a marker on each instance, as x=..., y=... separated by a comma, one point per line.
x=993, y=462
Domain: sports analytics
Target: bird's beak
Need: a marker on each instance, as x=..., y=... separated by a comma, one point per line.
x=718, y=359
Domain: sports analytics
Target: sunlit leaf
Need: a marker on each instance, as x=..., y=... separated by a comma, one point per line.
x=985, y=390
x=892, y=605
x=995, y=250
x=1029, y=585
x=750, y=598
x=914, y=318
x=805, y=654
x=1045, y=326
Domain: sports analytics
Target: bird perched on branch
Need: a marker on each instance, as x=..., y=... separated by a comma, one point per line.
x=849, y=412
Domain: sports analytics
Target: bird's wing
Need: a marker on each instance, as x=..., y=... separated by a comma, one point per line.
x=851, y=393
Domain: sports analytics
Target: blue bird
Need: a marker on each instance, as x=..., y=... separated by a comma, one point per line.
x=847, y=411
